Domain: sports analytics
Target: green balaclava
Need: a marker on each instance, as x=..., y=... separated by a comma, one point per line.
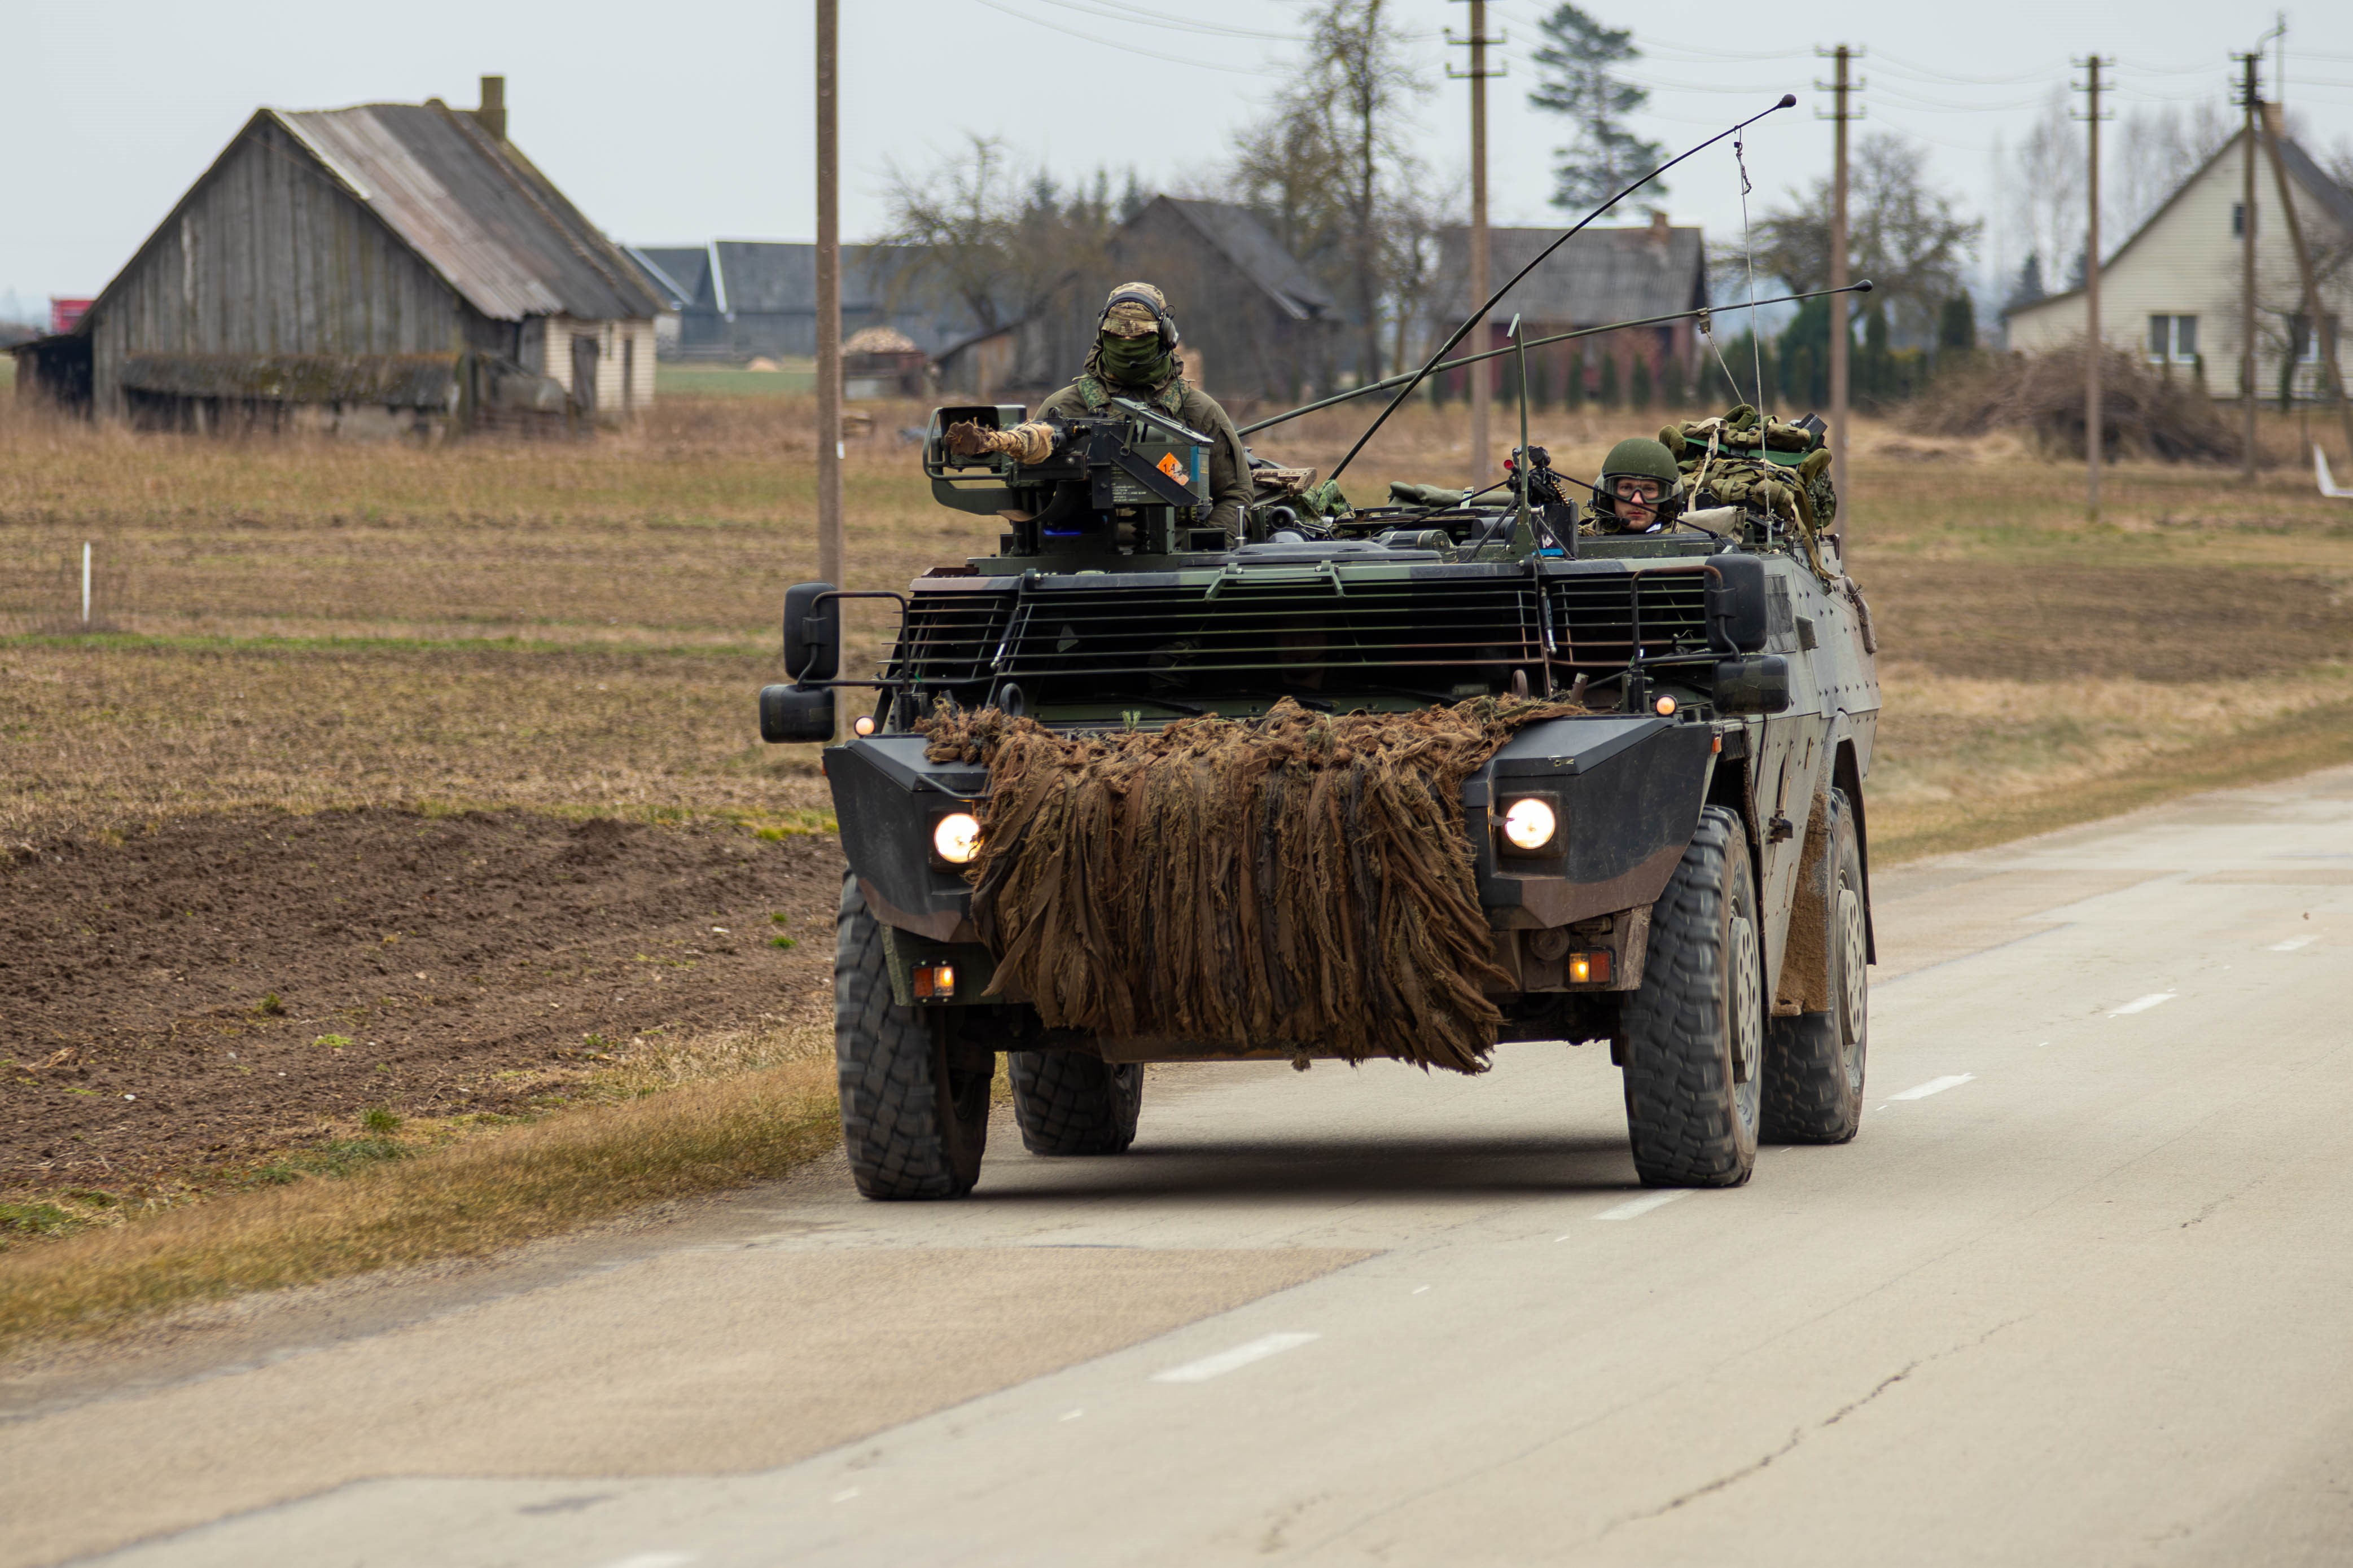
x=1134, y=361
x=1129, y=347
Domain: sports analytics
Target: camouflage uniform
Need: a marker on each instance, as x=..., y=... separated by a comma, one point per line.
x=1168, y=391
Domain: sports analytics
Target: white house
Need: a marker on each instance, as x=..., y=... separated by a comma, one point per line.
x=2174, y=291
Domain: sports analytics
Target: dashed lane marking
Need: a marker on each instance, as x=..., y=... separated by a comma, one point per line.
x=1634, y=1207
x=2143, y=1004
x=1936, y=1086
x=2292, y=943
x=1241, y=1355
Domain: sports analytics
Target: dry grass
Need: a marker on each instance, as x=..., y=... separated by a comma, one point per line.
x=464, y=1198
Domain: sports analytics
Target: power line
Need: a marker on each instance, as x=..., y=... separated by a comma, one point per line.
x=1122, y=11
x=1110, y=43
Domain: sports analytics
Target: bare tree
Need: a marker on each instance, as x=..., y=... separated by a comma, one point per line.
x=2160, y=147
x=1003, y=238
x=1366, y=81
x=2046, y=186
x=1905, y=235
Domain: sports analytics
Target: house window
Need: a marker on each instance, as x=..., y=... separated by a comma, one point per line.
x=2307, y=347
x=2237, y=220
x=2172, y=339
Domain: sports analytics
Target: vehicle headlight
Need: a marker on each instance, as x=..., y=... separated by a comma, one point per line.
x=1529, y=823
x=955, y=838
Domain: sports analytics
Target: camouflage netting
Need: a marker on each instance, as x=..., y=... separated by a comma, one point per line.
x=1298, y=882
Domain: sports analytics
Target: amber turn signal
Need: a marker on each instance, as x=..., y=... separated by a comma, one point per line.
x=935, y=982
x=1667, y=706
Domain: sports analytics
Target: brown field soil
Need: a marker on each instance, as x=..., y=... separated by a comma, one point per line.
x=335, y=693
x=222, y=987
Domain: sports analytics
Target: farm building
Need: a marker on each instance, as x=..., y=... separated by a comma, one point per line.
x=2175, y=290
x=1600, y=276
x=743, y=299
x=1255, y=323
x=390, y=266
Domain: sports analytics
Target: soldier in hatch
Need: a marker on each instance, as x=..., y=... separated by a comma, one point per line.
x=1640, y=490
x=1134, y=357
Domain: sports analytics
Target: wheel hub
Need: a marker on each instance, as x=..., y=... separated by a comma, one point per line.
x=1747, y=1003
x=1853, y=966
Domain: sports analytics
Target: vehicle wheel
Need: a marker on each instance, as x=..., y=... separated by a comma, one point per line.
x=1814, y=1062
x=1695, y=1033
x=912, y=1122
x=1069, y=1103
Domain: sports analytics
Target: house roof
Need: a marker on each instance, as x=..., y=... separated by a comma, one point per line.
x=475, y=209
x=1236, y=232
x=2333, y=199
x=681, y=271
x=1599, y=275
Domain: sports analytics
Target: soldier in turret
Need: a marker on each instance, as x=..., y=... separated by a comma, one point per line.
x=1640, y=488
x=1134, y=357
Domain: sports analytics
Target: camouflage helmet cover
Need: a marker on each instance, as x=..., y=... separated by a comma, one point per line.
x=1137, y=310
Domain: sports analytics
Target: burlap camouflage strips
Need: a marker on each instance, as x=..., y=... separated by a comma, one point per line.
x=1298, y=882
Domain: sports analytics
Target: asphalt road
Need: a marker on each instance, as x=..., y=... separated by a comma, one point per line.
x=2081, y=1293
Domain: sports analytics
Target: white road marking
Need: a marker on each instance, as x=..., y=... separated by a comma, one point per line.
x=1419, y=1289
x=2143, y=1004
x=845, y=1496
x=1936, y=1086
x=1073, y=1414
x=655, y=1559
x=1224, y=1362
x=1632, y=1207
x=2292, y=943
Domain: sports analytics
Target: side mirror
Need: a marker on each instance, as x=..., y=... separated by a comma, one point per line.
x=795, y=713
x=1755, y=683
x=812, y=633
x=1736, y=616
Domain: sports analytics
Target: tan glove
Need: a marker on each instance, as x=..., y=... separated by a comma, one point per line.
x=1031, y=443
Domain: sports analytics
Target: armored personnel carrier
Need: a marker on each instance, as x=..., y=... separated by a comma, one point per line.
x=1676, y=863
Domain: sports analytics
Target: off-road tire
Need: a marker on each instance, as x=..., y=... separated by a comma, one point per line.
x=1070, y=1104
x=913, y=1126
x=1814, y=1062
x=1692, y=1111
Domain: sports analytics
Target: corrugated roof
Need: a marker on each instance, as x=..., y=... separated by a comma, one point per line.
x=1243, y=240
x=1600, y=276
x=476, y=210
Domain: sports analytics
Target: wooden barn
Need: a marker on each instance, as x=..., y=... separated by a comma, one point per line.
x=1600, y=276
x=388, y=267
x=1256, y=324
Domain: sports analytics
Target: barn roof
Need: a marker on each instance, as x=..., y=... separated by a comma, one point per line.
x=682, y=271
x=475, y=209
x=1599, y=275
x=1236, y=232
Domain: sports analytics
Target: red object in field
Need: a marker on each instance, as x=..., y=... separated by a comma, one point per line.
x=66, y=314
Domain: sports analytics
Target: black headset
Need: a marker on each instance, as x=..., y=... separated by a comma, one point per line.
x=1165, y=323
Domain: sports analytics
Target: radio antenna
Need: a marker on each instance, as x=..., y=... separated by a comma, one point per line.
x=1787, y=100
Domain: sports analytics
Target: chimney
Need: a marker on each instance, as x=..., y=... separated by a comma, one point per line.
x=1658, y=214
x=492, y=115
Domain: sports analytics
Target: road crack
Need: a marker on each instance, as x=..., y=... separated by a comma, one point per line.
x=1799, y=1436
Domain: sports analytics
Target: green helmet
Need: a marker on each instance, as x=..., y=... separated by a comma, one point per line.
x=1640, y=457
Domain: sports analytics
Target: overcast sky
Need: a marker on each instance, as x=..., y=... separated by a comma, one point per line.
x=671, y=124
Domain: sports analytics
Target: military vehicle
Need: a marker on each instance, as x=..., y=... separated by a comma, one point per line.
x=1683, y=871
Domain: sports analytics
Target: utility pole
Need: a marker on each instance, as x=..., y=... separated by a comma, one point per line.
x=2251, y=99
x=2315, y=323
x=829, y=292
x=1482, y=388
x=2094, y=427
x=1839, y=87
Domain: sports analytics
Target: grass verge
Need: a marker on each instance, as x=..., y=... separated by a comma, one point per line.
x=2283, y=748
x=462, y=1199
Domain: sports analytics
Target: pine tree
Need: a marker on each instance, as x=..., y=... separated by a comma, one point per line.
x=1540, y=381
x=1607, y=394
x=1956, y=323
x=1575, y=80
x=1638, y=385
x=1572, y=390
